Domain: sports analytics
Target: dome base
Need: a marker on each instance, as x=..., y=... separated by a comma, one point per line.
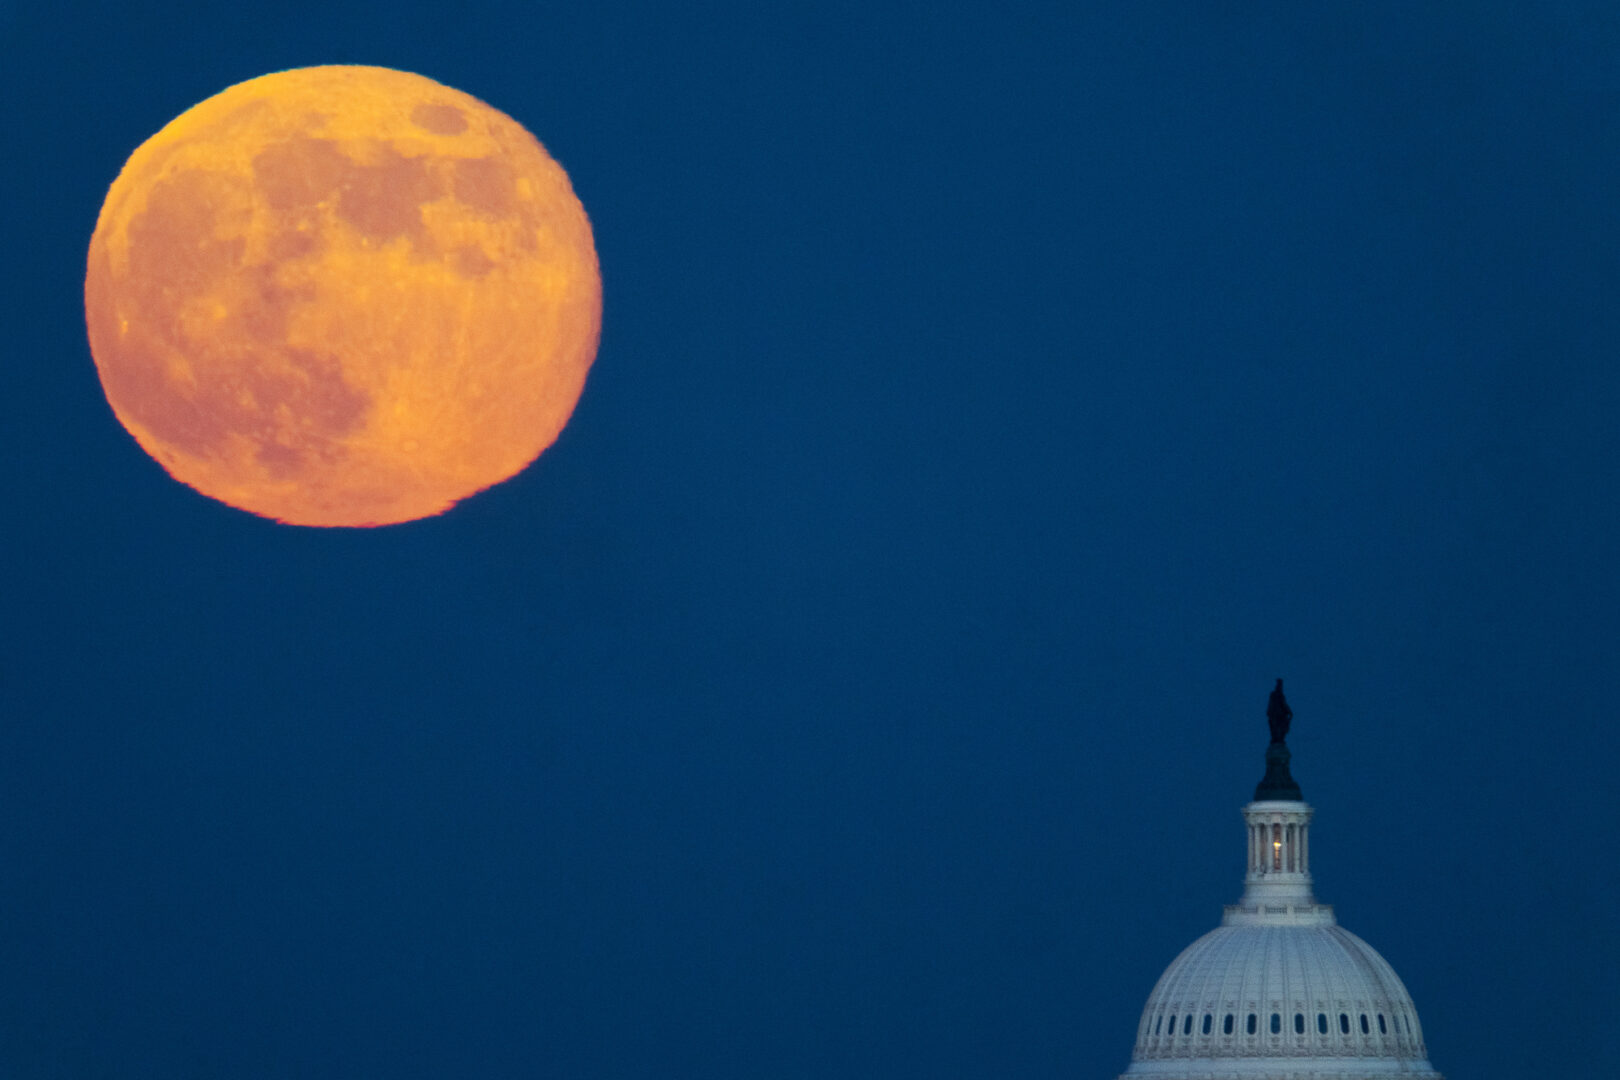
x=1280, y=1069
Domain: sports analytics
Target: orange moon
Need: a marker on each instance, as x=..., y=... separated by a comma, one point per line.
x=342, y=296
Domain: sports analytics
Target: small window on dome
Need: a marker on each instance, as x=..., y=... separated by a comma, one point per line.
x=1321, y=1023
x=1171, y=1028
x=1158, y=1022
x=1186, y=1025
x=1382, y=1030
x=1252, y=1024
x=1276, y=1023
x=1209, y=1021
x=1365, y=1028
x=1299, y=1023
x=1226, y=1028
x=1344, y=1023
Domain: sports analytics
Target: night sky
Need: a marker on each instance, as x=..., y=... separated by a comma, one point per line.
x=993, y=400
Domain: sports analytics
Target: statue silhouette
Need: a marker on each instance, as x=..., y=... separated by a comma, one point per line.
x=1278, y=714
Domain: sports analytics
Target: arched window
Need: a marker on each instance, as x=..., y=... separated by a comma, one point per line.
x=1158, y=1022
x=1344, y=1023
x=1299, y=1023
x=1208, y=1022
x=1226, y=1028
x=1382, y=1030
x=1365, y=1028
x=1321, y=1023
x=1171, y=1029
x=1252, y=1024
x=1186, y=1025
x=1276, y=1023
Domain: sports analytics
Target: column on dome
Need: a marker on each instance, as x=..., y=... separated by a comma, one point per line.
x=1278, y=838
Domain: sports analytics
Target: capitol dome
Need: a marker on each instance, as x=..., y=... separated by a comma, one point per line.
x=1279, y=991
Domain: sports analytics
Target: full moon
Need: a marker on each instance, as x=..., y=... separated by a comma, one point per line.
x=342, y=296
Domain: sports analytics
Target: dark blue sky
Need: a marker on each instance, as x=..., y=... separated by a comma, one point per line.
x=993, y=399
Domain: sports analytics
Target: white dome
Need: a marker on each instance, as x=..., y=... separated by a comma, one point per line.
x=1257, y=1000
x=1279, y=991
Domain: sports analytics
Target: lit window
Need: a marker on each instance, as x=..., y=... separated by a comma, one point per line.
x=1382, y=1030
x=1208, y=1021
x=1365, y=1029
x=1321, y=1023
x=1251, y=1023
x=1227, y=1027
x=1344, y=1023
x=1299, y=1023
x=1276, y=1023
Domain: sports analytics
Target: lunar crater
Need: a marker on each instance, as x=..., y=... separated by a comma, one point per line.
x=439, y=119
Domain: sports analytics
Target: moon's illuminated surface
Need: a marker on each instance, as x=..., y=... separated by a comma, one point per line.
x=342, y=296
